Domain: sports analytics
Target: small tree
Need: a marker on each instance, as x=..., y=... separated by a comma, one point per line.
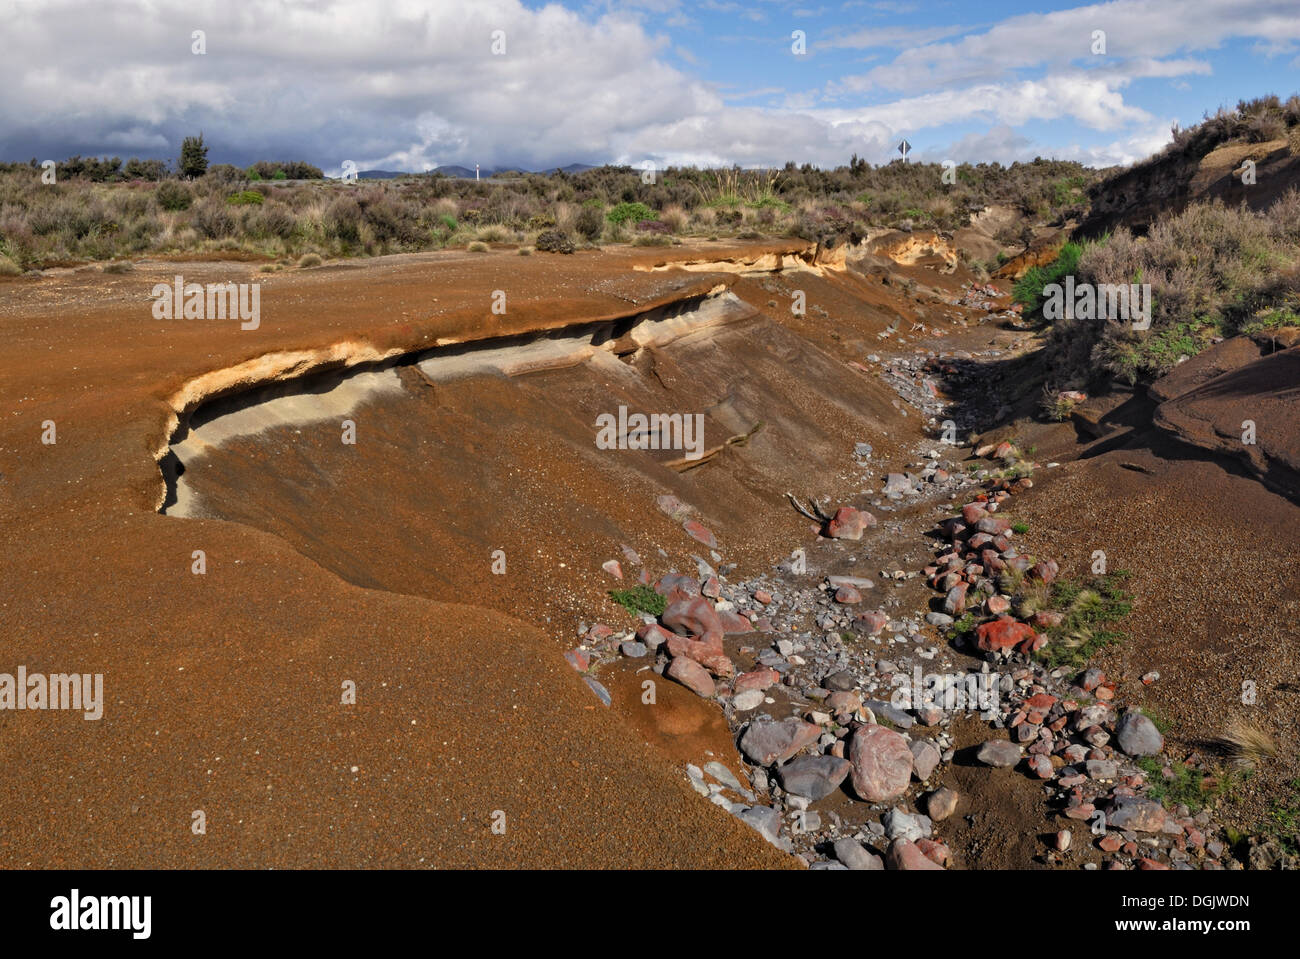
x=194, y=157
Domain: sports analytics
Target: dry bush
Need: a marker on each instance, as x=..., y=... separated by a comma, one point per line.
x=1247, y=743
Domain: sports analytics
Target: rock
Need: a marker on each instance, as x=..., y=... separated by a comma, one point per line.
x=897, y=484
x=766, y=743
x=632, y=650
x=652, y=635
x=1041, y=767
x=882, y=763
x=579, y=659
x=707, y=654
x=936, y=851
x=673, y=508
x=899, y=824
x=941, y=803
x=999, y=752
x=856, y=856
x=873, y=622
x=1136, y=813
x=955, y=600
x=700, y=533
x=904, y=854
x=748, y=699
x=942, y=620
x=1137, y=735
x=848, y=596
x=1063, y=840
x=692, y=675
x=924, y=758
x=757, y=679
x=762, y=596
x=693, y=617
x=601, y=692
x=849, y=523
x=1004, y=633
x=814, y=777
x=767, y=822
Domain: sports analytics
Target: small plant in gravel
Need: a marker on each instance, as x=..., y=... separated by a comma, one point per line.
x=639, y=599
x=1090, y=609
x=1020, y=527
x=1189, y=787
x=1247, y=743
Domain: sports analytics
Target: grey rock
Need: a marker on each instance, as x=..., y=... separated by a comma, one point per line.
x=748, y=699
x=767, y=822
x=766, y=743
x=1136, y=813
x=601, y=692
x=1137, y=735
x=632, y=649
x=941, y=620
x=814, y=777
x=856, y=856
x=924, y=758
x=999, y=752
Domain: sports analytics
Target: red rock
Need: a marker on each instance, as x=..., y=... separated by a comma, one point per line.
x=1041, y=701
x=579, y=659
x=848, y=596
x=598, y=632
x=882, y=763
x=762, y=596
x=1146, y=863
x=759, y=679
x=873, y=622
x=972, y=513
x=692, y=675
x=732, y=622
x=1081, y=811
x=1046, y=571
x=708, y=655
x=700, y=533
x=711, y=588
x=612, y=567
x=849, y=523
x=997, y=605
x=1003, y=633
x=954, y=603
x=904, y=854
x=1110, y=843
x=1044, y=619
x=693, y=617
x=1004, y=450
x=935, y=850
x=1063, y=840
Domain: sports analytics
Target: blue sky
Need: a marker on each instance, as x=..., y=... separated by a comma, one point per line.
x=411, y=84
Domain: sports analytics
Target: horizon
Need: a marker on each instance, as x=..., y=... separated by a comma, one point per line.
x=406, y=87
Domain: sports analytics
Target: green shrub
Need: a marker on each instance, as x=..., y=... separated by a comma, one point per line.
x=173, y=196
x=639, y=599
x=629, y=213
x=246, y=198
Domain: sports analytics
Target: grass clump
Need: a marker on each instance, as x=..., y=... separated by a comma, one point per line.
x=639, y=599
x=1090, y=608
x=309, y=260
x=1189, y=787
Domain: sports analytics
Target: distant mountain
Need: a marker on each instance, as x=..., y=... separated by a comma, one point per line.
x=467, y=173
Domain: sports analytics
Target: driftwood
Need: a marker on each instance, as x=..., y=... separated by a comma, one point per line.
x=816, y=514
x=687, y=463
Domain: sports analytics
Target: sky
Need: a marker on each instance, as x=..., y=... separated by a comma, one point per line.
x=413, y=84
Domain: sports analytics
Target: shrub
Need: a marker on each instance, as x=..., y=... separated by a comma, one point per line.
x=639, y=599
x=477, y=247
x=309, y=260
x=553, y=241
x=590, y=223
x=8, y=267
x=245, y=198
x=173, y=196
x=212, y=219
x=342, y=219
x=629, y=212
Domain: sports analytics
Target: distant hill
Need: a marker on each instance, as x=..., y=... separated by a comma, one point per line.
x=467, y=173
